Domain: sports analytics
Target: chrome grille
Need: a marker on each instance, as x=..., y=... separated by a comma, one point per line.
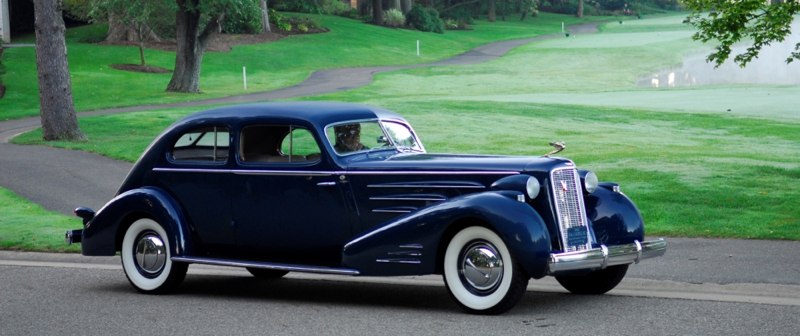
x=570, y=212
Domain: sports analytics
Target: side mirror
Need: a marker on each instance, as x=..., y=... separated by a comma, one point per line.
x=382, y=140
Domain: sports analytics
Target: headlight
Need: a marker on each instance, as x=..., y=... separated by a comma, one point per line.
x=532, y=187
x=590, y=182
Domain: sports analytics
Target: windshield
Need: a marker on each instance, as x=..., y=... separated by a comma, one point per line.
x=362, y=136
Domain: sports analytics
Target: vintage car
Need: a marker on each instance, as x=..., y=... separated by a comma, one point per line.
x=349, y=189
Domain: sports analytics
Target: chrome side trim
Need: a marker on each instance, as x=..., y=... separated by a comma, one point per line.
x=330, y=172
x=398, y=261
x=268, y=265
x=408, y=198
x=247, y=171
x=433, y=172
x=411, y=246
x=393, y=210
x=412, y=185
x=600, y=258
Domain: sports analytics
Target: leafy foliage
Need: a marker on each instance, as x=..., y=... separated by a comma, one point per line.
x=729, y=22
x=243, y=19
x=394, y=18
x=333, y=7
x=425, y=19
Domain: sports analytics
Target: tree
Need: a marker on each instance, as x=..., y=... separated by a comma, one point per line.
x=192, y=41
x=579, y=13
x=377, y=12
x=132, y=19
x=728, y=22
x=265, y=28
x=59, y=120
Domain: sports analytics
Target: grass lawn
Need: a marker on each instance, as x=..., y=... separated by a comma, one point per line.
x=715, y=161
x=26, y=226
x=270, y=66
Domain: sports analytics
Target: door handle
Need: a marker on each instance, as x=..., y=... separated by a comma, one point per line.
x=326, y=184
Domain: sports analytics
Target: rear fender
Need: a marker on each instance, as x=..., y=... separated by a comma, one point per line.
x=102, y=236
x=412, y=244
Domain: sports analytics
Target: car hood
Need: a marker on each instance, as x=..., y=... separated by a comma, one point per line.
x=455, y=162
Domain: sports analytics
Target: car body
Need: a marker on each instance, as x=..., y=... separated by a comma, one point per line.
x=276, y=188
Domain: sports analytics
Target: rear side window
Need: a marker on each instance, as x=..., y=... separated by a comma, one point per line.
x=277, y=144
x=207, y=144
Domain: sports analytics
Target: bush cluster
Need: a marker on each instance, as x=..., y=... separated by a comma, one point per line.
x=424, y=19
x=333, y=7
x=394, y=18
x=243, y=19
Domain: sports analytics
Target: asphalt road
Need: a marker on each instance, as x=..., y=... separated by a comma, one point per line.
x=51, y=294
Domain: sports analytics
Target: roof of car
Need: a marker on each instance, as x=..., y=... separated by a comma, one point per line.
x=319, y=113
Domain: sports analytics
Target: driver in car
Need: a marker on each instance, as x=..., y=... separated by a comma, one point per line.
x=348, y=138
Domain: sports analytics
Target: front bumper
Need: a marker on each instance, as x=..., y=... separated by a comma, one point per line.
x=600, y=258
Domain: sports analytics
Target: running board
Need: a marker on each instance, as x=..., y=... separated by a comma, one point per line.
x=267, y=265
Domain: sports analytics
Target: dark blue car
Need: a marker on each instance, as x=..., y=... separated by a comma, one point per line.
x=349, y=189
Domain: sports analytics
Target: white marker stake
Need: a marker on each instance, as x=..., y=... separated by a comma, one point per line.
x=562, y=26
x=244, y=77
x=417, y=47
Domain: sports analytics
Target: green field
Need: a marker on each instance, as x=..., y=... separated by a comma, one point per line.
x=712, y=161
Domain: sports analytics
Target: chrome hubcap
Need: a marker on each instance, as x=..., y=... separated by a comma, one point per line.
x=481, y=266
x=151, y=253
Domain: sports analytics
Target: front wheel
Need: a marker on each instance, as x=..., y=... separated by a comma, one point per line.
x=595, y=282
x=481, y=274
x=146, y=258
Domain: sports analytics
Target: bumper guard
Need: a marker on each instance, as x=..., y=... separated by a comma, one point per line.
x=600, y=258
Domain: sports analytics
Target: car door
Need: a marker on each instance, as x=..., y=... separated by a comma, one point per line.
x=288, y=207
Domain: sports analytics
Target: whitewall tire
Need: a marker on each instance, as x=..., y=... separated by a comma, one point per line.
x=146, y=259
x=480, y=272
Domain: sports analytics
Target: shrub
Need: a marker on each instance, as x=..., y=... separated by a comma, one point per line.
x=425, y=19
x=243, y=19
x=283, y=25
x=335, y=7
x=394, y=18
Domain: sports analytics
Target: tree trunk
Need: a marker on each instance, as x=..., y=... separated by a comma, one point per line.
x=405, y=6
x=59, y=121
x=396, y=5
x=265, y=17
x=492, y=15
x=580, y=9
x=191, y=45
x=117, y=31
x=377, y=12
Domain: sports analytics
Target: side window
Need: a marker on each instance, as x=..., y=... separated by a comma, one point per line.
x=277, y=144
x=300, y=143
x=207, y=144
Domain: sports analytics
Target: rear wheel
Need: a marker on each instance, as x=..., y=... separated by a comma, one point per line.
x=595, y=282
x=480, y=272
x=263, y=273
x=146, y=258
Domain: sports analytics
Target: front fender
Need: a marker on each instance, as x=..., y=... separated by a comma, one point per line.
x=102, y=235
x=411, y=244
x=615, y=219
